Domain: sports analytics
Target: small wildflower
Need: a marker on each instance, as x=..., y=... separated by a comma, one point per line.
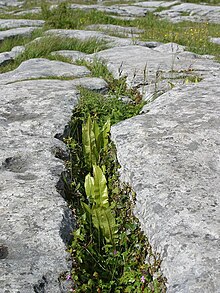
x=68, y=277
x=143, y=279
x=115, y=252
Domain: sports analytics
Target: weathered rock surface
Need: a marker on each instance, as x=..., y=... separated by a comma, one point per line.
x=215, y=40
x=170, y=154
x=24, y=31
x=171, y=157
x=13, y=23
x=155, y=69
x=12, y=3
x=42, y=68
x=8, y=56
x=196, y=12
x=157, y=4
x=73, y=55
x=116, y=29
x=122, y=10
x=87, y=35
x=35, y=221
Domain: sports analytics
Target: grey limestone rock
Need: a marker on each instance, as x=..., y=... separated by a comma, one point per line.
x=73, y=55
x=170, y=156
x=12, y=3
x=157, y=4
x=215, y=40
x=42, y=68
x=24, y=31
x=35, y=10
x=170, y=48
x=35, y=220
x=32, y=211
x=196, y=12
x=8, y=56
x=122, y=10
x=78, y=34
x=143, y=65
x=87, y=35
x=4, y=58
x=117, y=29
x=15, y=23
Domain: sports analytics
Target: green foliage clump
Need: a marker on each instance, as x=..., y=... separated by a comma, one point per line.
x=196, y=36
x=43, y=46
x=109, y=250
x=63, y=17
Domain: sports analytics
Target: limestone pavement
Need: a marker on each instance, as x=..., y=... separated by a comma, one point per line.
x=170, y=154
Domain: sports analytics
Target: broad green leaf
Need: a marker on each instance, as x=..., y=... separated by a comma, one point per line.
x=100, y=187
x=104, y=220
x=89, y=144
x=105, y=134
x=89, y=187
x=96, y=131
x=86, y=208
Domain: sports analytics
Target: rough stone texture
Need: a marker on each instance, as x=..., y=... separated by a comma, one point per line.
x=122, y=10
x=171, y=157
x=13, y=23
x=157, y=4
x=215, y=40
x=24, y=31
x=145, y=66
x=196, y=12
x=41, y=68
x=32, y=212
x=116, y=29
x=73, y=55
x=4, y=58
x=87, y=35
x=29, y=11
x=170, y=154
x=34, y=218
x=12, y=3
x=8, y=56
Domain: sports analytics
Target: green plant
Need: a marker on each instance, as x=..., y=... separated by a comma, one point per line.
x=64, y=17
x=95, y=141
x=108, y=247
x=42, y=48
x=193, y=35
x=101, y=212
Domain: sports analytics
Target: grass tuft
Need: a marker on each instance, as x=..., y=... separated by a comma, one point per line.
x=43, y=47
x=193, y=35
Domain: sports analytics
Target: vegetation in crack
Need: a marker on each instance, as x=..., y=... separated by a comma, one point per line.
x=108, y=250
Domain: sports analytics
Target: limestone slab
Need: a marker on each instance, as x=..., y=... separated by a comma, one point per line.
x=8, y=56
x=24, y=31
x=157, y=4
x=83, y=35
x=170, y=155
x=115, y=28
x=144, y=65
x=215, y=40
x=32, y=211
x=73, y=55
x=12, y=3
x=122, y=10
x=42, y=68
x=35, y=221
x=15, y=23
x=196, y=12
